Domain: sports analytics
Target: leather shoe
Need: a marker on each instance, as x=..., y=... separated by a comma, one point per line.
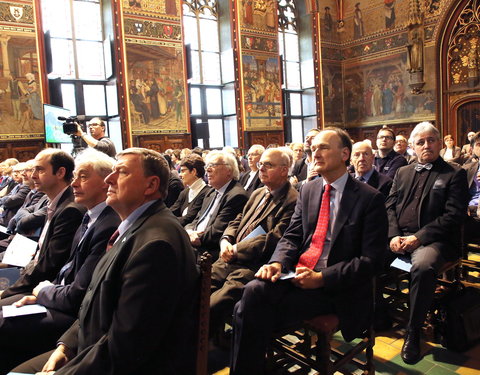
x=411, y=347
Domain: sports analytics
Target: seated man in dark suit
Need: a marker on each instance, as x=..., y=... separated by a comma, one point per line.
x=12, y=202
x=250, y=179
x=362, y=161
x=270, y=208
x=52, y=174
x=137, y=315
x=189, y=202
x=472, y=223
x=334, y=244
x=221, y=205
x=303, y=170
x=26, y=336
x=426, y=207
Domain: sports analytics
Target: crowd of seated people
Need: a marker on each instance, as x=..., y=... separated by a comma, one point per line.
x=294, y=232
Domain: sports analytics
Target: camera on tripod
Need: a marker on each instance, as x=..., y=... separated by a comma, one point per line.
x=70, y=123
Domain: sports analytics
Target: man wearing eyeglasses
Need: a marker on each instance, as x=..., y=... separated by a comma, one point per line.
x=250, y=239
x=387, y=161
x=97, y=138
x=250, y=179
x=221, y=205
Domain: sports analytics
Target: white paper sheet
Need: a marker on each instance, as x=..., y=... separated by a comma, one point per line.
x=11, y=311
x=402, y=263
x=20, y=251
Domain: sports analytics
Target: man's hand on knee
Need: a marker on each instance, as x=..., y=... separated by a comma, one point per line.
x=269, y=272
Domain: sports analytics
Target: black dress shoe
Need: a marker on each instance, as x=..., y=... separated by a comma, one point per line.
x=411, y=347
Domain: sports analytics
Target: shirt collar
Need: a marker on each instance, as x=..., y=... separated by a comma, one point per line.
x=197, y=186
x=339, y=183
x=223, y=189
x=128, y=222
x=52, y=205
x=95, y=212
x=367, y=175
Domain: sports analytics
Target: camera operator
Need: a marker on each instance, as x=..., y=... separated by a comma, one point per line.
x=97, y=138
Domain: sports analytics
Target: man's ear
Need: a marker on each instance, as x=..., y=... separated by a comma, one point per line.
x=153, y=184
x=61, y=172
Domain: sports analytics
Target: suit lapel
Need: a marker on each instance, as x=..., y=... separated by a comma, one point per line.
x=206, y=205
x=346, y=205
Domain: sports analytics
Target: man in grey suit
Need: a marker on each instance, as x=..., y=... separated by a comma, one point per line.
x=137, y=314
x=269, y=208
x=426, y=207
x=221, y=205
x=333, y=246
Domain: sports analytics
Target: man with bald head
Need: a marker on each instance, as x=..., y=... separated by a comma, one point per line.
x=332, y=248
x=362, y=161
x=270, y=208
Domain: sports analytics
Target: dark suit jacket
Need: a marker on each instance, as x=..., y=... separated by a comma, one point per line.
x=83, y=258
x=381, y=182
x=356, y=253
x=471, y=169
x=389, y=164
x=442, y=208
x=253, y=252
x=31, y=218
x=300, y=169
x=56, y=246
x=175, y=187
x=193, y=207
x=457, y=156
x=231, y=204
x=256, y=183
x=136, y=317
x=12, y=202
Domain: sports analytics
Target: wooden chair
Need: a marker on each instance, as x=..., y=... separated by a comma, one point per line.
x=205, y=264
x=309, y=345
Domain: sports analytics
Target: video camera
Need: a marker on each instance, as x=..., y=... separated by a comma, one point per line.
x=70, y=123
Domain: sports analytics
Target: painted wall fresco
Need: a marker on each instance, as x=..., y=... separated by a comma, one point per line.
x=21, y=111
x=156, y=79
x=262, y=93
x=333, y=94
x=259, y=15
x=156, y=89
x=378, y=93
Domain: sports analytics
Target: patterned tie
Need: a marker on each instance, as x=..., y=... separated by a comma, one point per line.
x=310, y=257
x=112, y=240
x=84, y=224
x=251, y=223
x=419, y=167
x=361, y=178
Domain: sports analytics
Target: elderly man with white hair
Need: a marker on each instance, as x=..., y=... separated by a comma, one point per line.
x=221, y=205
x=250, y=179
x=426, y=207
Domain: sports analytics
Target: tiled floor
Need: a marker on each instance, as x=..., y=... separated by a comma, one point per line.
x=437, y=360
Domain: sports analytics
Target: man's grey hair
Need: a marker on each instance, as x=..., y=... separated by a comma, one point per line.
x=423, y=127
x=154, y=164
x=258, y=148
x=286, y=155
x=362, y=143
x=228, y=158
x=101, y=163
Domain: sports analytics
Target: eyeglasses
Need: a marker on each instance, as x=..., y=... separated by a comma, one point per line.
x=385, y=137
x=214, y=165
x=268, y=165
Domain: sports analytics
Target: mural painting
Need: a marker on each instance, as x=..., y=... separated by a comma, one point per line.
x=379, y=93
x=332, y=94
x=259, y=14
x=156, y=90
x=165, y=7
x=21, y=112
x=262, y=93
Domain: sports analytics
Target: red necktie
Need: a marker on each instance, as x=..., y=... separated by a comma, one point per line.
x=112, y=239
x=310, y=257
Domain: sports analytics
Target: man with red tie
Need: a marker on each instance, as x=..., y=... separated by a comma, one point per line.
x=331, y=250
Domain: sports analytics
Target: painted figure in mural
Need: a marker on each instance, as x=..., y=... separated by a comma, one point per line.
x=171, y=7
x=153, y=95
x=389, y=13
x=178, y=95
x=139, y=104
x=248, y=12
x=16, y=89
x=33, y=96
x=377, y=100
x=327, y=20
x=368, y=100
x=358, y=29
x=399, y=91
x=415, y=52
x=387, y=99
x=270, y=16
